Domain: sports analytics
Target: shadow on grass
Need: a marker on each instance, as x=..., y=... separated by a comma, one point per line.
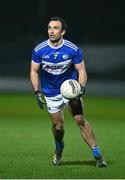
x=88, y=163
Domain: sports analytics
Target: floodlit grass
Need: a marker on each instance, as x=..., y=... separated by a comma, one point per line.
x=27, y=145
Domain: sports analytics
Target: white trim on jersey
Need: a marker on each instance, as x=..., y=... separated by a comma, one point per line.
x=35, y=62
x=41, y=45
x=71, y=45
x=56, y=69
x=47, y=43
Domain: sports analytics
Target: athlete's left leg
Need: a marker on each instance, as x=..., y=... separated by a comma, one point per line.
x=76, y=108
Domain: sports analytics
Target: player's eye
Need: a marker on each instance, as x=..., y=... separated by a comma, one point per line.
x=49, y=27
x=56, y=27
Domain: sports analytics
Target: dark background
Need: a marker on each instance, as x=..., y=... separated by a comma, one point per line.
x=88, y=21
x=24, y=24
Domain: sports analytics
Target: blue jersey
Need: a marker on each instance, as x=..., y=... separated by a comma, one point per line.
x=56, y=64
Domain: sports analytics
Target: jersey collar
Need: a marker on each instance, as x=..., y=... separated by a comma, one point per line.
x=53, y=46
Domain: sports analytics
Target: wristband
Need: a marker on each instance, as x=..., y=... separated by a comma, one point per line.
x=36, y=92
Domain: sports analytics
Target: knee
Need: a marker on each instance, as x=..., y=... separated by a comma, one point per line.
x=58, y=126
x=80, y=120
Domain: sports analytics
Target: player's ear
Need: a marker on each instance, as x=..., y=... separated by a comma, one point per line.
x=63, y=32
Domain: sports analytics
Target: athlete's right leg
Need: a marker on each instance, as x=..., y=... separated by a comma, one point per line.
x=55, y=109
x=58, y=132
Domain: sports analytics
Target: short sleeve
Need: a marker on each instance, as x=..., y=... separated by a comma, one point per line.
x=35, y=57
x=78, y=56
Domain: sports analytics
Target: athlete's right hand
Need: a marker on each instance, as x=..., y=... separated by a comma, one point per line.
x=39, y=98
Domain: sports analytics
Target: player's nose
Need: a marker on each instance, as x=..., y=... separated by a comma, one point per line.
x=51, y=31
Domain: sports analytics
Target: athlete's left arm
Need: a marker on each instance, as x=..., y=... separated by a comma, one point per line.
x=82, y=73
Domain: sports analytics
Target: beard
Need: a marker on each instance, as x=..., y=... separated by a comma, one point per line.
x=55, y=40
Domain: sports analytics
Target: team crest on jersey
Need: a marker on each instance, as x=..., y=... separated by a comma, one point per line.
x=65, y=56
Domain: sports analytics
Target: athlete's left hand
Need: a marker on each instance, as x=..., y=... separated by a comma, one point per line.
x=82, y=91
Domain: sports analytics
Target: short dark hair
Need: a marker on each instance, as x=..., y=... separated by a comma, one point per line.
x=56, y=18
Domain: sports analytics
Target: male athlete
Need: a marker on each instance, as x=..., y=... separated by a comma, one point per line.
x=59, y=60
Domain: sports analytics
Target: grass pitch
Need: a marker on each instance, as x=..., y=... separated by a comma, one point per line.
x=27, y=145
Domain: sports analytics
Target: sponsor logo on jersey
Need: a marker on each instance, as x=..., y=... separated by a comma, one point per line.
x=57, y=68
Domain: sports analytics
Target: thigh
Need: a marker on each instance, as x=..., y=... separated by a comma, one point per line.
x=57, y=119
x=55, y=104
x=76, y=107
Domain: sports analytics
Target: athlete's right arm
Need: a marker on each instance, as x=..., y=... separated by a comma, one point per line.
x=35, y=83
x=34, y=75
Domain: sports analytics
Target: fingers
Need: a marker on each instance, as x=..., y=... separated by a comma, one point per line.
x=40, y=101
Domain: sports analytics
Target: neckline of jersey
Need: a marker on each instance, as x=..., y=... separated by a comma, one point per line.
x=55, y=47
